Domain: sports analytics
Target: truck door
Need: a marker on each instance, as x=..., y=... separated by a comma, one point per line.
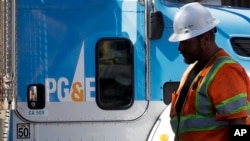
x=81, y=61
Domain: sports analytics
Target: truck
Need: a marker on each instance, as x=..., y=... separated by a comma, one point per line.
x=99, y=70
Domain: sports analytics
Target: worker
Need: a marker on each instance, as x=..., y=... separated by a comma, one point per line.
x=214, y=91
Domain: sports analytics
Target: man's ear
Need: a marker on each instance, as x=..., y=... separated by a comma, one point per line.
x=205, y=38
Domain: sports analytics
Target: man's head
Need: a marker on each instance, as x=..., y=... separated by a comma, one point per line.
x=198, y=48
x=194, y=28
x=192, y=20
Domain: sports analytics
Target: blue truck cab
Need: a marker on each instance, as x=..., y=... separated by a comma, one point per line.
x=94, y=70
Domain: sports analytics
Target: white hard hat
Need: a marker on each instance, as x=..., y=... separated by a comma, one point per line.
x=192, y=20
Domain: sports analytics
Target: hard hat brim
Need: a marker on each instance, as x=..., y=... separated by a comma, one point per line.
x=181, y=37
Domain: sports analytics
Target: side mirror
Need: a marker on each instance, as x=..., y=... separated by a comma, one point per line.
x=36, y=96
x=156, y=25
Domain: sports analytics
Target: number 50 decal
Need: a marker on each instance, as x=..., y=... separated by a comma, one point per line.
x=23, y=130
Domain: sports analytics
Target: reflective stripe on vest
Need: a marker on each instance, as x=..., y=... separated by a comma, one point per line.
x=204, y=119
x=203, y=104
x=196, y=123
x=227, y=106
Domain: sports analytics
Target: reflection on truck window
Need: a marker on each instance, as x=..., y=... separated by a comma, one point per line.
x=33, y=93
x=238, y=3
x=114, y=73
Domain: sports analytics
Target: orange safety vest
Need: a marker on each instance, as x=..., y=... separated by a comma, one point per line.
x=207, y=109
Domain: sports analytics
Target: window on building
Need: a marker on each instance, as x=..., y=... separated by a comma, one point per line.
x=237, y=3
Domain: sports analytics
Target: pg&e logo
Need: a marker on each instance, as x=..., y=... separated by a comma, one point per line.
x=61, y=90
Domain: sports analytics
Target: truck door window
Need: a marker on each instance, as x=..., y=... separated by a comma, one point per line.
x=114, y=73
